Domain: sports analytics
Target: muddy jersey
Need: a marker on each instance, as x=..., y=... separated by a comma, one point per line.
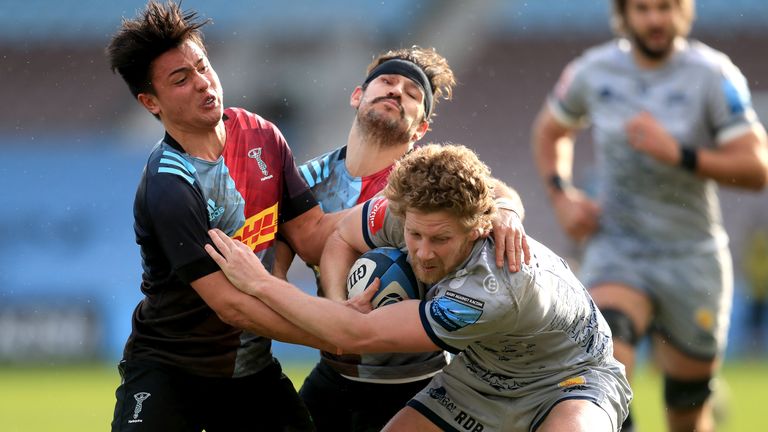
x=515, y=333
x=252, y=188
x=698, y=96
x=336, y=189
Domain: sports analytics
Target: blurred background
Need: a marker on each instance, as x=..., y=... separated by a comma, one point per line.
x=73, y=141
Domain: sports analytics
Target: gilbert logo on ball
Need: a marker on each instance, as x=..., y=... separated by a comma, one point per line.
x=391, y=266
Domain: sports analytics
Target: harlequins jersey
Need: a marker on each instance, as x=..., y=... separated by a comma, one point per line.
x=337, y=189
x=252, y=188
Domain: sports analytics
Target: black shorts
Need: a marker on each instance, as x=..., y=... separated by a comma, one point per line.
x=339, y=404
x=154, y=397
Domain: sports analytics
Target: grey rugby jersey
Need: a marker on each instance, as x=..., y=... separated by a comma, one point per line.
x=698, y=96
x=516, y=332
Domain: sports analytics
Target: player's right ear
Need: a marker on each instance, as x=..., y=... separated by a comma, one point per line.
x=356, y=97
x=149, y=101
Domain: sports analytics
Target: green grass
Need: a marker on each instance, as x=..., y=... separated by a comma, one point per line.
x=81, y=398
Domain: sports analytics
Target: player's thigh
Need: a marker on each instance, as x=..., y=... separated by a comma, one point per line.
x=576, y=415
x=693, y=295
x=634, y=303
x=265, y=401
x=154, y=398
x=410, y=420
x=675, y=363
x=617, y=280
x=327, y=397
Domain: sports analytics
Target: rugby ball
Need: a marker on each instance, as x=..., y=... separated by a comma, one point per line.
x=390, y=265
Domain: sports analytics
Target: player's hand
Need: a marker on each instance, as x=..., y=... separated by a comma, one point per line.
x=510, y=240
x=645, y=134
x=577, y=213
x=363, y=302
x=238, y=262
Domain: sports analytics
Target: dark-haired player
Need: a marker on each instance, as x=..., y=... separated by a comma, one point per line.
x=199, y=356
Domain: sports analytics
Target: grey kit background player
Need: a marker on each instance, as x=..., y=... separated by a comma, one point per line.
x=670, y=119
x=533, y=351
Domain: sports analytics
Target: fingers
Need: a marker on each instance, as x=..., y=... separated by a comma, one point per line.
x=213, y=253
x=526, y=249
x=221, y=240
x=500, y=251
x=371, y=290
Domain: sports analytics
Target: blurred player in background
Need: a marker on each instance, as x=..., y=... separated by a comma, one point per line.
x=670, y=119
x=533, y=351
x=199, y=355
x=393, y=110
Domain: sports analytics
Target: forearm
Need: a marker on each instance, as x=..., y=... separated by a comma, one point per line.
x=393, y=328
x=249, y=313
x=257, y=317
x=334, y=267
x=283, y=260
x=552, y=150
x=308, y=233
x=509, y=197
x=744, y=169
x=328, y=320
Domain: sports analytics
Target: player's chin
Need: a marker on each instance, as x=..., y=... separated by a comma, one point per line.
x=428, y=276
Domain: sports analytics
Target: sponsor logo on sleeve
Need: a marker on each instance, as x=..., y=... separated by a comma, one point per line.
x=454, y=311
x=376, y=212
x=578, y=383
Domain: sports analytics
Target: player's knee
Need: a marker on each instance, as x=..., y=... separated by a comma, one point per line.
x=622, y=327
x=686, y=394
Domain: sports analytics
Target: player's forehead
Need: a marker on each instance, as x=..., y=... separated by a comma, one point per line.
x=645, y=4
x=188, y=54
x=432, y=223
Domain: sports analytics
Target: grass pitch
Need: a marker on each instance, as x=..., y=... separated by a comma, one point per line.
x=81, y=398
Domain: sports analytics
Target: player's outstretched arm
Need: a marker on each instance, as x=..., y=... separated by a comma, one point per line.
x=249, y=313
x=394, y=328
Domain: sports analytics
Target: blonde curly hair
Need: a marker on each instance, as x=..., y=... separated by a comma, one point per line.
x=447, y=178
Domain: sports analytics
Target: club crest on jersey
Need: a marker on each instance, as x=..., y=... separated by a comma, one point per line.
x=255, y=153
x=140, y=398
x=378, y=207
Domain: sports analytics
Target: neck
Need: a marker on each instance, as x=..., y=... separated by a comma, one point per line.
x=206, y=145
x=646, y=61
x=366, y=155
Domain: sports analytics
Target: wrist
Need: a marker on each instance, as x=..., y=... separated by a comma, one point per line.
x=507, y=204
x=557, y=184
x=689, y=159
